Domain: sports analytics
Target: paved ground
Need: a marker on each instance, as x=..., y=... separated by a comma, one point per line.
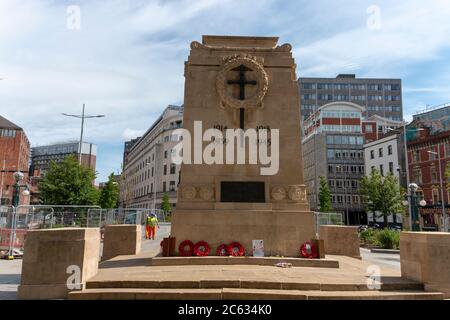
x=383, y=259
x=9, y=278
x=10, y=270
x=350, y=271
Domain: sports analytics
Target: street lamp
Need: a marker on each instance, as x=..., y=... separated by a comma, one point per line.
x=444, y=218
x=405, y=148
x=18, y=176
x=82, y=117
x=413, y=187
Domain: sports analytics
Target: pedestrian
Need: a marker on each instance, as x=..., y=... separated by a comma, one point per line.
x=147, y=226
x=152, y=223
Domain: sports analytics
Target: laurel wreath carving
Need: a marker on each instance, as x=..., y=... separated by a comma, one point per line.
x=250, y=62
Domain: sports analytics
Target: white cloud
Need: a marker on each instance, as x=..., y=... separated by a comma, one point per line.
x=127, y=61
x=129, y=134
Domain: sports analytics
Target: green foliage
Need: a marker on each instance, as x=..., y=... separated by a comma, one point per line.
x=388, y=239
x=165, y=205
x=368, y=236
x=324, y=196
x=109, y=194
x=382, y=194
x=68, y=183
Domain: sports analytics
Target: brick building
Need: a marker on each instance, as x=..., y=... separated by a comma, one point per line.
x=14, y=156
x=428, y=156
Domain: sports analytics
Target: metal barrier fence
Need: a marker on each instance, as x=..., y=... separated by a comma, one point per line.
x=101, y=217
x=327, y=218
x=16, y=222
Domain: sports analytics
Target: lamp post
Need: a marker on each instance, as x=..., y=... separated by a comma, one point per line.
x=413, y=206
x=18, y=176
x=405, y=149
x=82, y=117
x=441, y=182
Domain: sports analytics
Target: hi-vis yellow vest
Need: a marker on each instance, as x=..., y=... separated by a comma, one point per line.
x=152, y=221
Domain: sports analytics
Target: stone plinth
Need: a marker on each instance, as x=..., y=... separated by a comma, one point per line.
x=425, y=257
x=283, y=232
x=340, y=240
x=242, y=87
x=121, y=240
x=54, y=259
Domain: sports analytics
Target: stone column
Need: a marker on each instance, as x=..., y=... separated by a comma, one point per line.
x=58, y=261
x=340, y=240
x=425, y=257
x=121, y=240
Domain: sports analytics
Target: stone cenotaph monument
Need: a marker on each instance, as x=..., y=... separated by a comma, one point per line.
x=246, y=85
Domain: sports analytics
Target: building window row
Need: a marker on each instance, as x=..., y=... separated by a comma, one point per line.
x=7, y=133
x=341, y=114
x=345, y=86
x=339, y=183
x=341, y=128
x=344, y=154
x=356, y=169
x=384, y=108
x=342, y=139
x=354, y=199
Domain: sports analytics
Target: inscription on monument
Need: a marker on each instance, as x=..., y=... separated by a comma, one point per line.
x=242, y=191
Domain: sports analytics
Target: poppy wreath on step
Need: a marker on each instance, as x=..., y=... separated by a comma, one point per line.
x=202, y=249
x=222, y=250
x=235, y=249
x=186, y=248
x=308, y=250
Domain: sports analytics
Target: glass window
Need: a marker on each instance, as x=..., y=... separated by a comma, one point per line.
x=389, y=149
x=344, y=139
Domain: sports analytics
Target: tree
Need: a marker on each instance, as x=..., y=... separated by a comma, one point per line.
x=382, y=194
x=165, y=205
x=109, y=194
x=324, y=196
x=68, y=183
x=370, y=187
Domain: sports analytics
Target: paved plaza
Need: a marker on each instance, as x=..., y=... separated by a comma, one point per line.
x=10, y=270
x=350, y=269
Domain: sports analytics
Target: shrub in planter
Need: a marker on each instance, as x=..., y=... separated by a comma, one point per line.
x=368, y=236
x=388, y=239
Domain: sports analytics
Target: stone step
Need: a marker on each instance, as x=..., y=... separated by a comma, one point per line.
x=261, y=261
x=247, y=294
x=247, y=284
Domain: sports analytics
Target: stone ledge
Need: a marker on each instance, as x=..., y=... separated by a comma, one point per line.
x=247, y=294
x=263, y=261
